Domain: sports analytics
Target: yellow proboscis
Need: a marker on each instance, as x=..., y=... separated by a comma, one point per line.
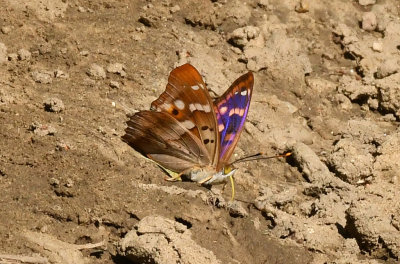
x=233, y=187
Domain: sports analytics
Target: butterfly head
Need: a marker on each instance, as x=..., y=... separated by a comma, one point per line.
x=228, y=170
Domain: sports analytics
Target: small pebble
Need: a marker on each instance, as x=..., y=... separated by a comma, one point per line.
x=12, y=56
x=263, y=3
x=53, y=105
x=389, y=118
x=44, y=48
x=44, y=229
x=3, y=53
x=117, y=68
x=136, y=37
x=45, y=77
x=61, y=74
x=89, y=82
x=147, y=21
x=54, y=182
x=366, y=2
x=237, y=209
x=240, y=37
x=69, y=183
x=63, y=50
x=212, y=41
x=6, y=29
x=84, y=53
x=377, y=46
x=302, y=7
x=24, y=54
x=174, y=9
x=148, y=6
x=114, y=84
x=369, y=21
x=42, y=130
x=373, y=103
x=257, y=223
x=96, y=72
x=61, y=146
x=236, y=50
x=81, y=9
x=328, y=55
x=140, y=29
x=387, y=67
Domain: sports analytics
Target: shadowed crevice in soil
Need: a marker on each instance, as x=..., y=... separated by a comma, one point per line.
x=188, y=224
x=352, y=231
x=124, y=260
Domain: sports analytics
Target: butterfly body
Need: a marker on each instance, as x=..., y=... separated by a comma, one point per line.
x=189, y=134
x=208, y=175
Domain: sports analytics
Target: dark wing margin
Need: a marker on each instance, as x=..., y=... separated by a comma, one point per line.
x=231, y=110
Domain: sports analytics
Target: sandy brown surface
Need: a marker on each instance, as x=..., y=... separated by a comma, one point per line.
x=327, y=87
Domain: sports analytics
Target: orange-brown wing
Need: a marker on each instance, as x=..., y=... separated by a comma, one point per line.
x=187, y=100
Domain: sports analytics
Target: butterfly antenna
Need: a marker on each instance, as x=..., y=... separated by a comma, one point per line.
x=261, y=156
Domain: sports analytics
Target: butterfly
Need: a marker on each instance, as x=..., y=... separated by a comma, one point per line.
x=186, y=132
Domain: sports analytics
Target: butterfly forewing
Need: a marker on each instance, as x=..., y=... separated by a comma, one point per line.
x=187, y=100
x=160, y=137
x=231, y=112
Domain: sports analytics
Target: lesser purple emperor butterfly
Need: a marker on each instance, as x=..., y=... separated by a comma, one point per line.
x=188, y=134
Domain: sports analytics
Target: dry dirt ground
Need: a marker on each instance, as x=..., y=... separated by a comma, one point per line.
x=327, y=87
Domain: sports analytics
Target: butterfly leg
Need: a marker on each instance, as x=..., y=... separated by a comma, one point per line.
x=173, y=176
x=206, y=179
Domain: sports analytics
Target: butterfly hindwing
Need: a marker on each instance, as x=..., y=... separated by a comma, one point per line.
x=231, y=112
x=187, y=100
x=163, y=139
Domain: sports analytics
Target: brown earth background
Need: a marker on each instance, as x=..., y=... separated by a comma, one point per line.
x=327, y=87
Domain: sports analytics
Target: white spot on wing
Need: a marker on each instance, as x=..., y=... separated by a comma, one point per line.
x=236, y=111
x=243, y=93
x=164, y=106
x=223, y=110
x=221, y=127
x=199, y=107
x=192, y=108
x=195, y=87
x=179, y=104
x=188, y=124
x=207, y=108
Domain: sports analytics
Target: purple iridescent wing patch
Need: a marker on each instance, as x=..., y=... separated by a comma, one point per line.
x=231, y=111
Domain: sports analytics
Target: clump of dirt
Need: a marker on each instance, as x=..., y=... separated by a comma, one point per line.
x=326, y=88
